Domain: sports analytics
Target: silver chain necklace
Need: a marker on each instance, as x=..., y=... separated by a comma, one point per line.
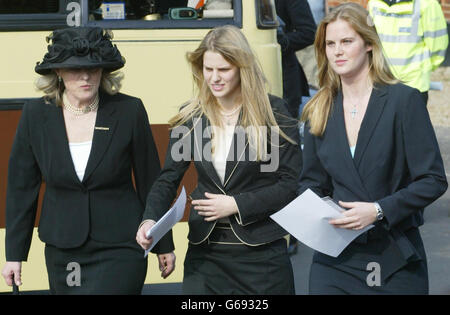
x=229, y=116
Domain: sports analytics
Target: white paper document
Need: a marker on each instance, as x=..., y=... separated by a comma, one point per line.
x=306, y=218
x=168, y=220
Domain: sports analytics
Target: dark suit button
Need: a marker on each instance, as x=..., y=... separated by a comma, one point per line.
x=84, y=190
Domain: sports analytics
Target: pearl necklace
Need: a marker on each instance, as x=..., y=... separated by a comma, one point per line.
x=77, y=111
x=229, y=116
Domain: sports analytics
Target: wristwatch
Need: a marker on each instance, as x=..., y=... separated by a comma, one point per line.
x=380, y=214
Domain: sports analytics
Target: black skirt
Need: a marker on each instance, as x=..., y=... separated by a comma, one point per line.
x=236, y=269
x=331, y=280
x=96, y=268
x=368, y=268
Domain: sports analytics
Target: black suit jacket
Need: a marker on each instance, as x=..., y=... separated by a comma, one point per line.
x=298, y=34
x=397, y=163
x=103, y=206
x=258, y=194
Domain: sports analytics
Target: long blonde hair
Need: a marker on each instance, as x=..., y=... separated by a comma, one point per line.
x=319, y=107
x=257, y=112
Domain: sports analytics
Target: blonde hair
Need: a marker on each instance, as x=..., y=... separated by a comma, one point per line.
x=318, y=109
x=257, y=112
x=111, y=83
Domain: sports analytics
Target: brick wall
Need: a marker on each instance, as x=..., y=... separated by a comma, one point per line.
x=333, y=3
x=446, y=8
x=445, y=5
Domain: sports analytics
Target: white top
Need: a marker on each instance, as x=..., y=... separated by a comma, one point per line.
x=80, y=154
x=222, y=143
x=352, y=151
x=223, y=138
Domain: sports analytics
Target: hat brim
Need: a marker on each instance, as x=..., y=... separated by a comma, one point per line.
x=75, y=62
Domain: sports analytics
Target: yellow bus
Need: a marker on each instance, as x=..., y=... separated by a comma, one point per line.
x=153, y=36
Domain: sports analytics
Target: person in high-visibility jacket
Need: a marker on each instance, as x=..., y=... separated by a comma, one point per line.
x=414, y=38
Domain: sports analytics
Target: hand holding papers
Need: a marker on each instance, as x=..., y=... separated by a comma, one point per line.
x=306, y=218
x=167, y=221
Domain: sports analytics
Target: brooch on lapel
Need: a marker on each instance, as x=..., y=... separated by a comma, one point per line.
x=101, y=128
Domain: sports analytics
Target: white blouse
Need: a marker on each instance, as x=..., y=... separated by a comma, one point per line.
x=80, y=155
x=222, y=143
x=223, y=138
x=352, y=151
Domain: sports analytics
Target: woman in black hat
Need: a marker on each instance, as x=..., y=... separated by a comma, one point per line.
x=84, y=139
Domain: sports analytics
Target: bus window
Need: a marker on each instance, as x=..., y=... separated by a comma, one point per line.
x=160, y=14
x=266, y=16
x=133, y=9
x=34, y=15
x=28, y=6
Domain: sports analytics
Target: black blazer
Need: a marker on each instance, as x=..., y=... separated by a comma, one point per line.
x=299, y=33
x=397, y=163
x=105, y=205
x=257, y=194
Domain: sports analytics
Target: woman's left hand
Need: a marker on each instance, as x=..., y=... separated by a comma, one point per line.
x=217, y=206
x=358, y=216
x=166, y=264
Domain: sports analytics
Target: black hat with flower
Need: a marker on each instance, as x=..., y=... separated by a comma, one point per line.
x=80, y=47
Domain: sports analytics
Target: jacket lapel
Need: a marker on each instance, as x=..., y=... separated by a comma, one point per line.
x=57, y=137
x=104, y=129
x=202, y=139
x=373, y=113
x=343, y=146
x=236, y=153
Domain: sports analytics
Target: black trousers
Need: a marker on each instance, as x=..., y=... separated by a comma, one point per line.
x=96, y=268
x=214, y=268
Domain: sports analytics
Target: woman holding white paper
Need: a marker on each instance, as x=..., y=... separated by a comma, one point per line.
x=371, y=146
x=244, y=148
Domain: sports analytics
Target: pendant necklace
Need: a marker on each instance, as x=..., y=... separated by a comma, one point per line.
x=354, y=110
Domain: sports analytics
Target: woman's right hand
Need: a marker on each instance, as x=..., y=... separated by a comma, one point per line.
x=12, y=270
x=141, y=237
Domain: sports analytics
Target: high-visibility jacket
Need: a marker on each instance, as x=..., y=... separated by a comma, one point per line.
x=414, y=38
